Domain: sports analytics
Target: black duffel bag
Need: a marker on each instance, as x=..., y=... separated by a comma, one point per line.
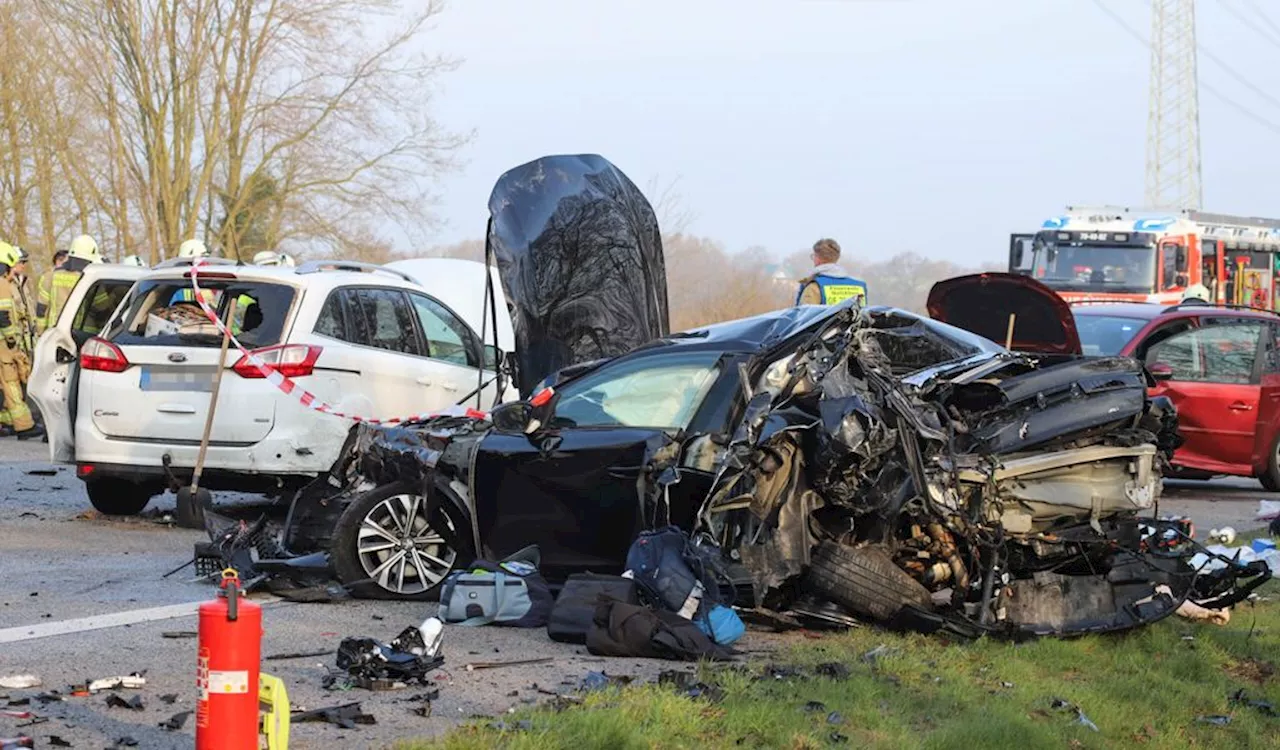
x=575, y=607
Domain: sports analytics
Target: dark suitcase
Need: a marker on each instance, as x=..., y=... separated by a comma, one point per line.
x=575, y=607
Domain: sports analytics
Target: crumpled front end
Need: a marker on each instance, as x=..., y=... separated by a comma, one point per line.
x=895, y=471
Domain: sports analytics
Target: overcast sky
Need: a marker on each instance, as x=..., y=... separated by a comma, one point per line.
x=931, y=125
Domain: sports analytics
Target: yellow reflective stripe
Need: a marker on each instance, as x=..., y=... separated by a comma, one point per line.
x=837, y=293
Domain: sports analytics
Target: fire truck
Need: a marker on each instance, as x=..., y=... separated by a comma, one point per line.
x=1134, y=255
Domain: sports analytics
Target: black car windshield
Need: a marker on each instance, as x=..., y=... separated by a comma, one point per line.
x=662, y=391
x=164, y=312
x=1106, y=335
x=1097, y=267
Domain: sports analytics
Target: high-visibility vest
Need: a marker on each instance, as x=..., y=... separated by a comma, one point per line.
x=10, y=327
x=54, y=289
x=836, y=289
x=242, y=303
x=189, y=295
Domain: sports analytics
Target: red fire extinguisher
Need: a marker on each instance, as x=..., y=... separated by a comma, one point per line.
x=227, y=670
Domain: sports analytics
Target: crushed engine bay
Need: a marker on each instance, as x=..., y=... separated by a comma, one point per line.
x=998, y=494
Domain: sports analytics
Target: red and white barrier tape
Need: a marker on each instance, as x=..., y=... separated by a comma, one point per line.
x=289, y=387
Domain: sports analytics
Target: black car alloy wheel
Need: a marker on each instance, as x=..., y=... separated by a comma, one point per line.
x=390, y=544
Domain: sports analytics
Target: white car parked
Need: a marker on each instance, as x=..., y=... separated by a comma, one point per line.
x=369, y=341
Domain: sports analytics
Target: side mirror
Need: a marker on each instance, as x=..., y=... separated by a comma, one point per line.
x=1020, y=253
x=1160, y=371
x=528, y=417
x=63, y=357
x=1182, y=259
x=512, y=417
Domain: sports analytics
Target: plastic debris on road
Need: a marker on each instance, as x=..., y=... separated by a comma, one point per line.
x=347, y=716
x=374, y=665
x=19, y=682
x=132, y=681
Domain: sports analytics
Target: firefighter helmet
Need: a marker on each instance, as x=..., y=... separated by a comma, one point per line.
x=85, y=247
x=193, y=249
x=1196, y=291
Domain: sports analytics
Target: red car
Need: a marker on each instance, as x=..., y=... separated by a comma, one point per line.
x=1219, y=365
x=1221, y=368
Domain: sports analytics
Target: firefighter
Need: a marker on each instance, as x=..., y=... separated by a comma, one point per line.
x=15, y=416
x=192, y=250
x=829, y=284
x=133, y=260
x=24, y=301
x=56, y=284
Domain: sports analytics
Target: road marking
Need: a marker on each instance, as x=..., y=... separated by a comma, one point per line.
x=113, y=620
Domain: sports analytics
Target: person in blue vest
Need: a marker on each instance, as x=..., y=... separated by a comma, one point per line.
x=829, y=284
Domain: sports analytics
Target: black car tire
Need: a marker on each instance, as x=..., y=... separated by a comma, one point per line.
x=118, y=497
x=1270, y=476
x=865, y=581
x=350, y=564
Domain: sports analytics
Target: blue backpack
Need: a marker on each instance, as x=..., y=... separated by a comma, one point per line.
x=672, y=572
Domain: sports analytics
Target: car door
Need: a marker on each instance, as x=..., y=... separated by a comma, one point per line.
x=1268, y=423
x=54, y=374
x=384, y=354
x=1215, y=386
x=576, y=488
x=453, y=352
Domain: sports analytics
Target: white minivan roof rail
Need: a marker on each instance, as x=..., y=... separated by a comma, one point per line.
x=180, y=262
x=318, y=266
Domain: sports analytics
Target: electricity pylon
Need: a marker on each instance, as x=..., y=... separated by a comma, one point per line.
x=1173, y=123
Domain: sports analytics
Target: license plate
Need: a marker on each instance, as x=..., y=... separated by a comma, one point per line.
x=188, y=379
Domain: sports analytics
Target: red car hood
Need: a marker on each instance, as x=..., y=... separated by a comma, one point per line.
x=982, y=303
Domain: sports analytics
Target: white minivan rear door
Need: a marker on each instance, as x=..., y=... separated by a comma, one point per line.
x=161, y=390
x=53, y=370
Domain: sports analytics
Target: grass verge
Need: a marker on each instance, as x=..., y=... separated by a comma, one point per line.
x=1150, y=687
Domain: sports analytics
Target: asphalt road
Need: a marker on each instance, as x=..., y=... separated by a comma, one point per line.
x=63, y=566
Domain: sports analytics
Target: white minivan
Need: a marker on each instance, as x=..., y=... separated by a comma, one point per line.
x=367, y=341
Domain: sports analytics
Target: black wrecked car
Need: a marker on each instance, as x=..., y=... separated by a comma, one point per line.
x=849, y=463
x=909, y=471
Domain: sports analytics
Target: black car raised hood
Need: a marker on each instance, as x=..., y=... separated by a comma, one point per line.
x=579, y=252
x=982, y=303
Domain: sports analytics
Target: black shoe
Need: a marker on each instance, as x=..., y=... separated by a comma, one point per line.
x=32, y=434
x=6, y=431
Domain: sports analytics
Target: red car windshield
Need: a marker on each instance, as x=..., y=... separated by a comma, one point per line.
x=1106, y=335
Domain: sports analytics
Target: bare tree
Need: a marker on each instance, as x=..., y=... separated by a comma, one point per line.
x=283, y=123
x=39, y=201
x=674, y=214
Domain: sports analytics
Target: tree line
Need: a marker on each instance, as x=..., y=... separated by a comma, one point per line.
x=706, y=283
